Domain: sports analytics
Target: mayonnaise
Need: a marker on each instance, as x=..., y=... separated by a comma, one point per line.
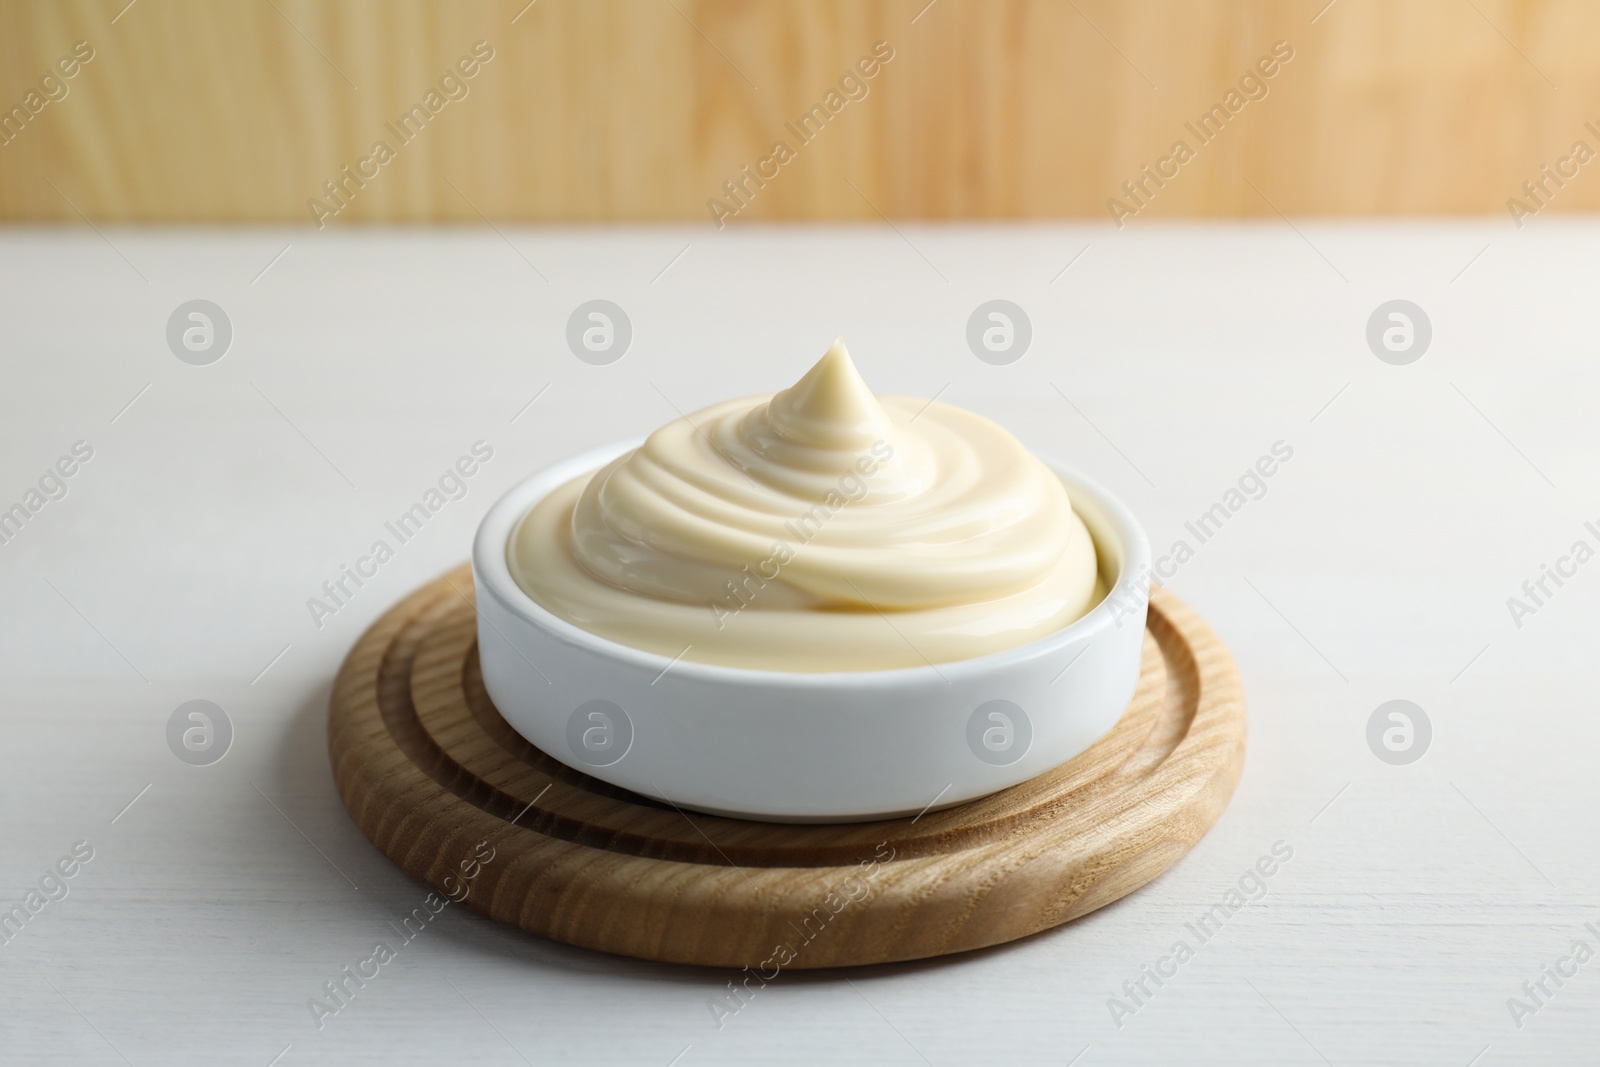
x=816, y=529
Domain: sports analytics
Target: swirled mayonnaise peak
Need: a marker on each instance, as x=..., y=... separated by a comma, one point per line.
x=816, y=529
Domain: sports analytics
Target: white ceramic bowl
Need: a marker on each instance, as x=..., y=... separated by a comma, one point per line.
x=791, y=747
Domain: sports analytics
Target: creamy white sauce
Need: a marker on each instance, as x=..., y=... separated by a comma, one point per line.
x=816, y=529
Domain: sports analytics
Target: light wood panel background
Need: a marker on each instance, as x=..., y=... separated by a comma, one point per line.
x=641, y=109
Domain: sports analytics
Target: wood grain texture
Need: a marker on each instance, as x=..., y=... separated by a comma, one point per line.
x=642, y=109
x=429, y=769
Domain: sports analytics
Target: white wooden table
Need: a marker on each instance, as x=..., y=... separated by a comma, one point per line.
x=1165, y=361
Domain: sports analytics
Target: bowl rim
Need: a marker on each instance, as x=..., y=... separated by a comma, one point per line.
x=492, y=572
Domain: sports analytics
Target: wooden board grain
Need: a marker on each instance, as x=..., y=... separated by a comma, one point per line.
x=434, y=776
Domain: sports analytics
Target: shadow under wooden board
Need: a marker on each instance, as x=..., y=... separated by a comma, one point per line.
x=430, y=770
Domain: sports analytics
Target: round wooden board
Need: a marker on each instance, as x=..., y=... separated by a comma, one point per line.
x=438, y=781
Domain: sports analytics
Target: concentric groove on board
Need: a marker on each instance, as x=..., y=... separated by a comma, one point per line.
x=427, y=768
